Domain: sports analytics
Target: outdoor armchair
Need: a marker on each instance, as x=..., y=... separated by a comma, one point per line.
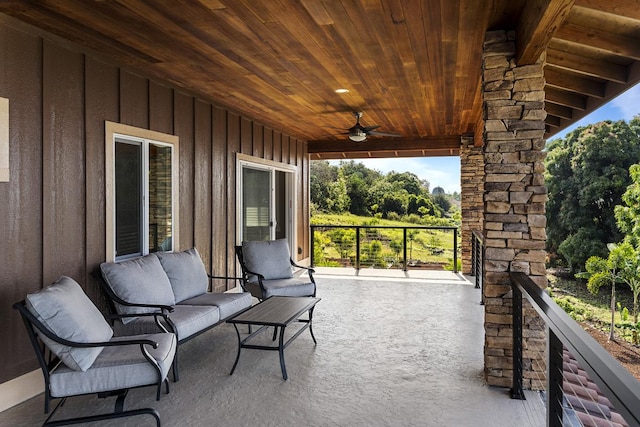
x=79, y=355
x=267, y=270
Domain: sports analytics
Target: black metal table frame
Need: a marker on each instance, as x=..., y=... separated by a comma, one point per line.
x=282, y=344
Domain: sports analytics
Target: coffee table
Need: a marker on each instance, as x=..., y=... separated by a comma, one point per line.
x=279, y=312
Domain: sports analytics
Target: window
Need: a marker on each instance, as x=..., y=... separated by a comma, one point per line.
x=142, y=191
x=265, y=200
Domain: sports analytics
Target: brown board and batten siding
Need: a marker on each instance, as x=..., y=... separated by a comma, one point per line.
x=52, y=214
x=101, y=103
x=21, y=198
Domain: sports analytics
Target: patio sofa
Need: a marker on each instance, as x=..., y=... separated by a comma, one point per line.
x=173, y=283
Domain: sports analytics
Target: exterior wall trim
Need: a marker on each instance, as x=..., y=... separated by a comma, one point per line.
x=19, y=389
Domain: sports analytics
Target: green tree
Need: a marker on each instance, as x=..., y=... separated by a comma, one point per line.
x=628, y=215
x=344, y=239
x=393, y=202
x=630, y=274
x=338, y=201
x=322, y=174
x=373, y=254
x=601, y=272
x=357, y=189
x=421, y=205
x=320, y=241
x=359, y=181
x=442, y=201
x=628, y=220
x=586, y=174
x=377, y=192
x=396, y=247
x=408, y=181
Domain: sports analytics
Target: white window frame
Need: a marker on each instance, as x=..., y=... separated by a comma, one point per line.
x=115, y=131
x=291, y=182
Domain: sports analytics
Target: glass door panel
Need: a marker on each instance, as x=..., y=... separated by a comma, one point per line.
x=257, y=223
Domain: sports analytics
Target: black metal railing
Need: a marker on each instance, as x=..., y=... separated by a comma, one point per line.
x=350, y=240
x=613, y=380
x=477, y=258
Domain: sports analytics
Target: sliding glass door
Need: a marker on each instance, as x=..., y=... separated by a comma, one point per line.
x=265, y=201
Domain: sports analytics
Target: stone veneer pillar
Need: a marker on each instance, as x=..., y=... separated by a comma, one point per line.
x=514, y=205
x=471, y=195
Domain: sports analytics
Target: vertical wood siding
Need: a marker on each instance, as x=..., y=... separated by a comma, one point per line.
x=202, y=182
x=183, y=128
x=233, y=146
x=21, y=207
x=101, y=103
x=219, y=199
x=52, y=215
x=63, y=192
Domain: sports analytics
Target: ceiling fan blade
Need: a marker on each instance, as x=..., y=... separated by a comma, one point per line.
x=374, y=133
x=370, y=128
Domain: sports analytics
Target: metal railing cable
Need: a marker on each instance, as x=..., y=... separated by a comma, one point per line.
x=615, y=383
x=359, y=255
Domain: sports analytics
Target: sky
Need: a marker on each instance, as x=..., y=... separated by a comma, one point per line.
x=445, y=171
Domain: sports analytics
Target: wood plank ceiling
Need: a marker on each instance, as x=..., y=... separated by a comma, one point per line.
x=413, y=67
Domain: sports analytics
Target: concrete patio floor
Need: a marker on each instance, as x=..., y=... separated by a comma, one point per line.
x=392, y=351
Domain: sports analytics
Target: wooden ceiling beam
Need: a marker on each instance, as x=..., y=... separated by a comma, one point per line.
x=385, y=154
x=568, y=99
x=624, y=8
x=541, y=19
x=588, y=66
x=553, y=121
x=601, y=40
x=573, y=83
x=558, y=110
x=387, y=145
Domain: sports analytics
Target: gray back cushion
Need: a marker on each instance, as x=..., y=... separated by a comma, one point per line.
x=140, y=280
x=186, y=273
x=66, y=311
x=269, y=258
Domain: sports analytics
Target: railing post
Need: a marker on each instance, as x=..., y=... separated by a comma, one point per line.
x=313, y=245
x=517, y=388
x=482, y=252
x=455, y=250
x=554, y=381
x=357, y=248
x=474, y=257
x=404, y=248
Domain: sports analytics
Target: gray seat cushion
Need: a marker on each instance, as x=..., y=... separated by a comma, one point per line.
x=270, y=258
x=228, y=303
x=189, y=319
x=66, y=311
x=141, y=281
x=296, y=287
x=117, y=367
x=186, y=273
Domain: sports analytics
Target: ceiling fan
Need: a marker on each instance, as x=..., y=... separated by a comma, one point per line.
x=359, y=133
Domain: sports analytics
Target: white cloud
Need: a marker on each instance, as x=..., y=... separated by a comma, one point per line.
x=628, y=103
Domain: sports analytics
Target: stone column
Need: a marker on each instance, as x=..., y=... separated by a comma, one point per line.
x=514, y=204
x=471, y=196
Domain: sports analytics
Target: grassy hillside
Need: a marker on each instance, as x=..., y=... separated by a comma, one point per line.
x=381, y=248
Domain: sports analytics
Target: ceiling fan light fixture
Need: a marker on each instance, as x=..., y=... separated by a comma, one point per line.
x=341, y=90
x=358, y=136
